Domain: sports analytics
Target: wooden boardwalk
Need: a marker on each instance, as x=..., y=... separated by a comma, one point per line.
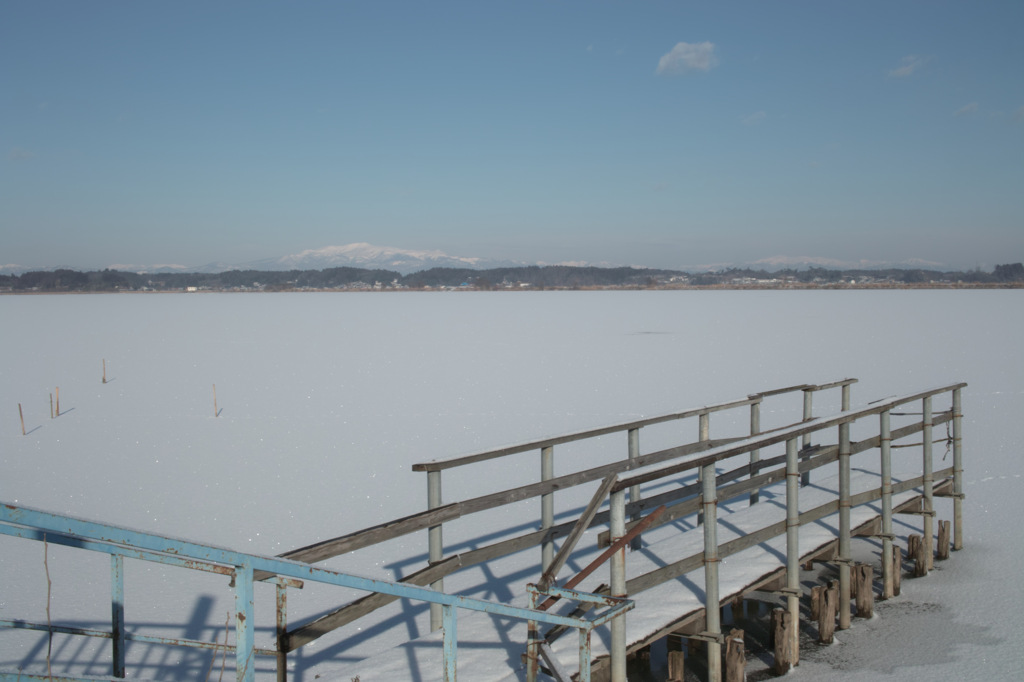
x=491, y=649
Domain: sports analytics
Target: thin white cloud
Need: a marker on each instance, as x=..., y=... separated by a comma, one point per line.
x=966, y=109
x=686, y=57
x=908, y=66
x=754, y=118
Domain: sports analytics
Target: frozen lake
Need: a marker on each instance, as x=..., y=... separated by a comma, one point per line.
x=328, y=399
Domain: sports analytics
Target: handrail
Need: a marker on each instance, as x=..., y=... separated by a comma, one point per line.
x=780, y=436
x=710, y=497
x=38, y=525
x=485, y=455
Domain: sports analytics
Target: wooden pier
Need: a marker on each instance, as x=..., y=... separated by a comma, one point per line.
x=733, y=521
x=633, y=547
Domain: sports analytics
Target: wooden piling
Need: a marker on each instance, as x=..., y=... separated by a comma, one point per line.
x=735, y=657
x=817, y=593
x=22, y=417
x=676, y=666
x=942, y=550
x=827, y=613
x=864, y=576
x=58, y=401
x=104, y=370
x=916, y=553
x=782, y=621
x=897, y=568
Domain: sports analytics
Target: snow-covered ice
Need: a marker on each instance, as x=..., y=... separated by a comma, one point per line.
x=328, y=399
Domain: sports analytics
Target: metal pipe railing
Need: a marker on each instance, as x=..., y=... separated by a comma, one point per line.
x=40, y=525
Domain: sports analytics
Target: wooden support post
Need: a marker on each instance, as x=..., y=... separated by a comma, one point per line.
x=916, y=551
x=216, y=412
x=782, y=622
x=642, y=656
x=827, y=613
x=817, y=596
x=942, y=550
x=735, y=657
x=104, y=370
x=865, y=576
x=22, y=417
x=897, y=569
x=808, y=565
x=58, y=401
x=676, y=666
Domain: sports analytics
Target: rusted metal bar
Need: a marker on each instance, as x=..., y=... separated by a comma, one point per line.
x=607, y=554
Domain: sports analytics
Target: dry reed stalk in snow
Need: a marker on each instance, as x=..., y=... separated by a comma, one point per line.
x=22, y=417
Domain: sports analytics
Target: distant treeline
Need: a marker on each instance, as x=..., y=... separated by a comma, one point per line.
x=537, y=277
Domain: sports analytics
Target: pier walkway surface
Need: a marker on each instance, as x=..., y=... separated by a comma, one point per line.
x=492, y=648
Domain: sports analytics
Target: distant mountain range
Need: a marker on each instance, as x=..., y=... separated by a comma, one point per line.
x=405, y=261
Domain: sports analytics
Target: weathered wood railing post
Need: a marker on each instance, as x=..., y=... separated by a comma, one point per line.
x=958, y=474
x=617, y=584
x=793, y=548
x=633, y=438
x=806, y=440
x=845, y=406
x=928, y=518
x=712, y=613
x=755, y=428
x=885, y=443
x=547, y=506
x=435, y=544
x=117, y=614
x=844, y=526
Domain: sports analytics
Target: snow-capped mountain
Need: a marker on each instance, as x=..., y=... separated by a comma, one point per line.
x=363, y=255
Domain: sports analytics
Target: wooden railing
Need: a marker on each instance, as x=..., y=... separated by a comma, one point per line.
x=438, y=513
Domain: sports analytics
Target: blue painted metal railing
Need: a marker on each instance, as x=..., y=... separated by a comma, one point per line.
x=121, y=542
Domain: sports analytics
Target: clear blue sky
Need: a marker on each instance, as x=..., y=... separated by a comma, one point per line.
x=666, y=134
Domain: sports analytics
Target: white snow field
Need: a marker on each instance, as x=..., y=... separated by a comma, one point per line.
x=326, y=401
